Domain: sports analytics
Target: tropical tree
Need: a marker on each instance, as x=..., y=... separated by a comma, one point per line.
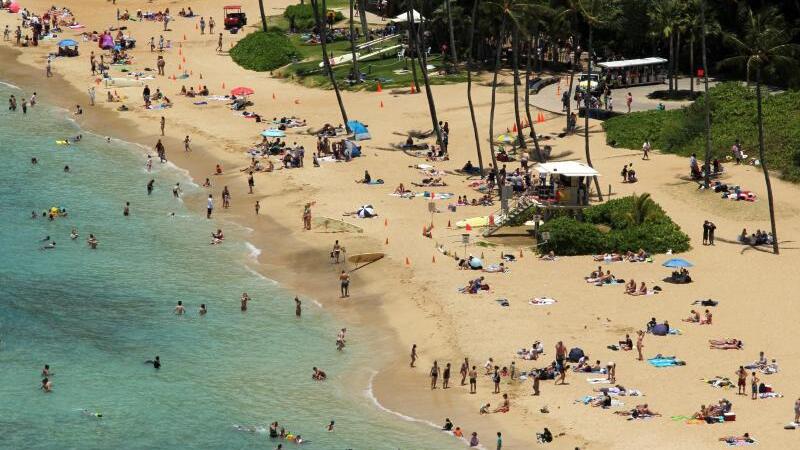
x=422, y=56
x=706, y=97
x=263, y=15
x=766, y=45
x=356, y=73
x=472, y=24
x=642, y=209
x=453, y=53
x=537, y=150
x=515, y=63
x=596, y=14
x=323, y=38
x=412, y=47
x=665, y=16
x=362, y=14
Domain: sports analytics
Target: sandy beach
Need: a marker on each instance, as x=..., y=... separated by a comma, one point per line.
x=411, y=295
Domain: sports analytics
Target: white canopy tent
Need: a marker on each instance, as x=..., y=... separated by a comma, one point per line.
x=567, y=168
x=402, y=17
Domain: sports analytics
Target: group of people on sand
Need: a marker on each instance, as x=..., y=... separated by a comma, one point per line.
x=757, y=238
x=639, y=256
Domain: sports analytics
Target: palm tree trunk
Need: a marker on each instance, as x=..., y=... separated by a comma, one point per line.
x=498, y=50
x=323, y=37
x=515, y=54
x=426, y=80
x=576, y=60
x=538, y=151
x=707, y=99
x=453, y=53
x=469, y=84
x=356, y=73
x=775, y=248
x=671, y=65
x=677, y=59
x=263, y=16
x=691, y=64
x=362, y=14
x=588, y=108
x=412, y=40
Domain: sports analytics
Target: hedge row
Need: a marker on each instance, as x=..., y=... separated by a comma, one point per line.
x=262, y=52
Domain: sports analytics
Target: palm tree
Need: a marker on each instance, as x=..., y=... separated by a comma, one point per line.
x=356, y=73
x=539, y=156
x=499, y=48
x=515, y=58
x=362, y=14
x=707, y=99
x=596, y=13
x=766, y=44
x=421, y=54
x=664, y=14
x=263, y=15
x=453, y=53
x=469, y=83
x=412, y=46
x=323, y=38
x=642, y=209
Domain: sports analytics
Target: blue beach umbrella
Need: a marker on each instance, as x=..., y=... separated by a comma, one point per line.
x=67, y=43
x=273, y=133
x=677, y=262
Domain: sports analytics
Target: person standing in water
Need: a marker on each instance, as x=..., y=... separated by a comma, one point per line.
x=257, y=207
x=180, y=309
x=245, y=298
x=209, y=206
x=126, y=211
x=155, y=362
x=150, y=186
x=176, y=190
x=203, y=311
x=298, y=311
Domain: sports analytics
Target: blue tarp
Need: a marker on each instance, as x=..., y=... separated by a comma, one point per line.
x=359, y=130
x=68, y=43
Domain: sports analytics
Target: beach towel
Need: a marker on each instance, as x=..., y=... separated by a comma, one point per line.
x=375, y=182
x=598, y=381
x=542, y=301
x=200, y=103
x=161, y=106
x=719, y=382
x=665, y=362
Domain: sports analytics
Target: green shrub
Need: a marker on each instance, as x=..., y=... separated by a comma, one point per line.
x=303, y=16
x=261, y=51
x=733, y=116
x=656, y=234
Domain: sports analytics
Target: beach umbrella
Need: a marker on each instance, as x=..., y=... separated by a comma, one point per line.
x=506, y=139
x=241, y=90
x=13, y=8
x=273, y=133
x=677, y=262
x=67, y=43
x=366, y=211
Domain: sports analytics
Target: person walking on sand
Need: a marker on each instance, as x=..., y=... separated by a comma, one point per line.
x=640, y=344
x=344, y=282
x=434, y=374
x=754, y=386
x=49, y=68
x=473, y=380
x=336, y=252
x=499, y=440
x=446, y=376
x=92, y=94
x=163, y=124
x=797, y=411
x=705, y=232
x=251, y=183
x=413, y=355
x=202, y=25
x=646, y=150
x=561, y=355
x=211, y=24
x=219, y=44
x=463, y=371
x=711, y=228
x=298, y=308
x=186, y=144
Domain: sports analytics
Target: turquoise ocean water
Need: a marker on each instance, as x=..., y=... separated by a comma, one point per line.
x=96, y=316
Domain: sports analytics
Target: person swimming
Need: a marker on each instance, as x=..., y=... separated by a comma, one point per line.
x=155, y=362
x=49, y=246
x=89, y=413
x=73, y=234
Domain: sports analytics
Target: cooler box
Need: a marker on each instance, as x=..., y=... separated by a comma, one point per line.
x=730, y=417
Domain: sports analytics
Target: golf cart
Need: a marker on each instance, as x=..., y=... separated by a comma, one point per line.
x=234, y=17
x=592, y=81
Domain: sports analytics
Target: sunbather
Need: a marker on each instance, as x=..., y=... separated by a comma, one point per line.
x=694, y=317
x=733, y=440
x=726, y=344
x=630, y=288
x=401, y=189
x=707, y=317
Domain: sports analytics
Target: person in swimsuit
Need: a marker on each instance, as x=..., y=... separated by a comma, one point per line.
x=434, y=374
x=47, y=386
x=754, y=386
x=446, y=376
x=298, y=310
x=155, y=362
x=742, y=376
x=337, y=250
x=561, y=355
x=245, y=298
x=180, y=309
x=203, y=309
x=413, y=355
x=473, y=381
x=463, y=371
x=344, y=280
x=640, y=343
x=46, y=371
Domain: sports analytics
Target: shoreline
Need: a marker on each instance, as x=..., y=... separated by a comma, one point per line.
x=417, y=302
x=293, y=251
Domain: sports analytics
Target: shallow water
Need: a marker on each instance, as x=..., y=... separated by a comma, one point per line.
x=96, y=315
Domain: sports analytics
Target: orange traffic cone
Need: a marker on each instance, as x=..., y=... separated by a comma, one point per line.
x=184, y=37
x=408, y=263
x=413, y=89
x=201, y=75
x=381, y=103
x=448, y=224
x=223, y=85
x=180, y=51
x=520, y=253
x=386, y=222
x=273, y=96
x=380, y=88
x=387, y=241
x=468, y=227
x=433, y=259
x=514, y=128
